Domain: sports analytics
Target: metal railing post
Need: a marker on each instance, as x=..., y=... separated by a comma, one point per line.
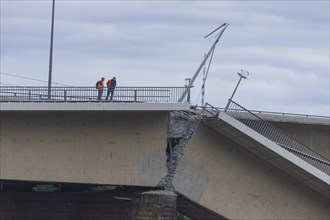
x=65, y=95
x=188, y=99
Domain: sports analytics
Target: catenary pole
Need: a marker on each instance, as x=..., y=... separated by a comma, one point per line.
x=225, y=25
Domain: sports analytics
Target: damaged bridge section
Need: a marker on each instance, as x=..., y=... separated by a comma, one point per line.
x=181, y=128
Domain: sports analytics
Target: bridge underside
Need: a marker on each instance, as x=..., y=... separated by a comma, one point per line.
x=118, y=199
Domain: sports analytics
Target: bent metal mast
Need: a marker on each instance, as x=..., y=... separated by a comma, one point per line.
x=224, y=26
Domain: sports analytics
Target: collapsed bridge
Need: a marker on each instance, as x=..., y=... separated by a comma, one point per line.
x=219, y=167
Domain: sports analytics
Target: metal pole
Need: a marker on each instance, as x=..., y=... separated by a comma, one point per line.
x=229, y=101
x=242, y=74
x=225, y=25
x=51, y=53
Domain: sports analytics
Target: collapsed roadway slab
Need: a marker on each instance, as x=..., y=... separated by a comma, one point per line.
x=223, y=167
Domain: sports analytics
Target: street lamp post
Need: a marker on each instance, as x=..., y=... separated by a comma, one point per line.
x=51, y=53
x=242, y=75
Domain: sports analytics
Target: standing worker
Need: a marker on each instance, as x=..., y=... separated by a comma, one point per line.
x=100, y=86
x=111, y=84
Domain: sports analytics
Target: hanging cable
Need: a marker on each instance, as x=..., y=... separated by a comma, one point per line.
x=207, y=72
x=38, y=80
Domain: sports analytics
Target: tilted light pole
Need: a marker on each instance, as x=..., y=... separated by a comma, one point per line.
x=242, y=75
x=225, y=25
x=51, y=53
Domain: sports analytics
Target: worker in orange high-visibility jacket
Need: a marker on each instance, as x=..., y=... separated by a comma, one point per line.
x=100, y=86
x=111, y=85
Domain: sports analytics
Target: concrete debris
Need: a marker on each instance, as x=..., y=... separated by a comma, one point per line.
x=180, y=130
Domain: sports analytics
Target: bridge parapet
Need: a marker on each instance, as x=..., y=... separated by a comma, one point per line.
x=87, y=94
x=85, y=99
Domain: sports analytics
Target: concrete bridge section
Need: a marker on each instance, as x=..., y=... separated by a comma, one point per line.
x=119, y=148
x=230, y=174
x=121, y=145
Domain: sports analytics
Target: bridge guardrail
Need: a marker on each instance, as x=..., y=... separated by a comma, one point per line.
x=278, y=136
x=81, y=94
x=207, y=107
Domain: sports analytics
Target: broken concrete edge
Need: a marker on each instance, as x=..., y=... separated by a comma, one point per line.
x=181, y=128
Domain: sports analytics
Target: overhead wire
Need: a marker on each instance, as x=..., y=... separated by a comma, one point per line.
x=24, y=77
x=7, y=84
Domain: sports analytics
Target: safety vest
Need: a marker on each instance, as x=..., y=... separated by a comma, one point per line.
x=101, y=85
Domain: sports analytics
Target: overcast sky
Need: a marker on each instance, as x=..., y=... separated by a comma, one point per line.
x=283, y=44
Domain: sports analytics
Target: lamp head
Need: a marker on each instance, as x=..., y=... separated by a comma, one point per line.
x=244, y=73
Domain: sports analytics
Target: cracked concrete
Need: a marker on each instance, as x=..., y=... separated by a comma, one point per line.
x=181, y=128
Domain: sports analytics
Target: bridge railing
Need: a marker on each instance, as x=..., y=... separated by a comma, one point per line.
x=278, y=136
x=209, y=107
x=65, y=94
